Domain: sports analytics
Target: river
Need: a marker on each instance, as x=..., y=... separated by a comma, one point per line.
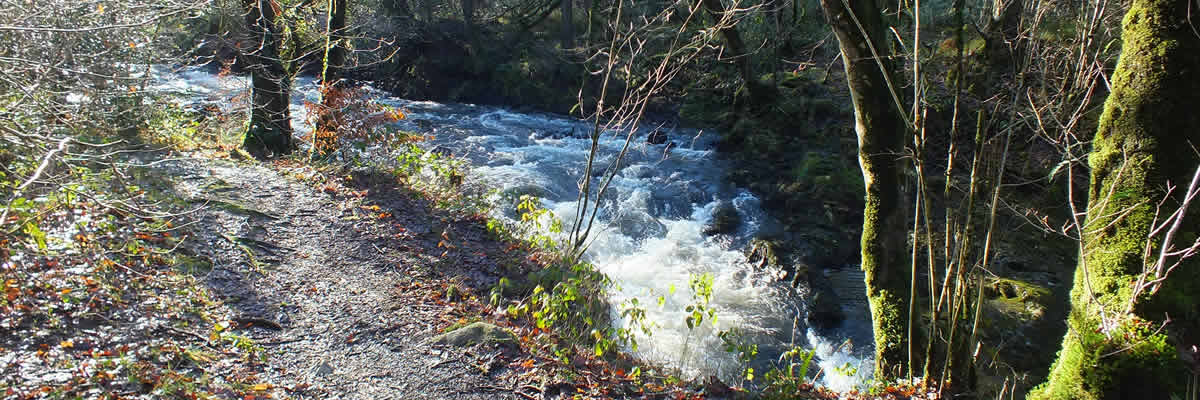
x=649, y=236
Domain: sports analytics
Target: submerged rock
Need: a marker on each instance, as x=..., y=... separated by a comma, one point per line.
x=725, y=219
x=639, y=225
x=824, y=310
x=475, y=333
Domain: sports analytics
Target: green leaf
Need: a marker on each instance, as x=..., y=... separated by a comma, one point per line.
x=38, y=236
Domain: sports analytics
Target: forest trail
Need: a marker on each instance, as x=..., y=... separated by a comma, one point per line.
x=345, y=285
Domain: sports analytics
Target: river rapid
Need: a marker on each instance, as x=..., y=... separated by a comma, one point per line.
x=649, y=236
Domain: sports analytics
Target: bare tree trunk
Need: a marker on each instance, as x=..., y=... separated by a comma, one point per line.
x=427, y=11
x=468, y=9
x=1133, y=329
x=270, y=129
x=881, y=138
x=326, y=129
x=759, y=93
x=568, y=24
x=397, y=8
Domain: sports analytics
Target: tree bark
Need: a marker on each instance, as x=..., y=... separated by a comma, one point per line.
x=335, y=61
x=1145, y=142
x=568, y=24
x=468, y=9
x=881, y=139
x=397, y=8
x=427, y=11
x=759, y=93
x=326, y=129
x=270, y=129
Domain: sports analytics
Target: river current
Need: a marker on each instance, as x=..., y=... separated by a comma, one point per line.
x=650, y=234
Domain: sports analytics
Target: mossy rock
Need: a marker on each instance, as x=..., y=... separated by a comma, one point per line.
x=1016, y=290
x=476, y=333
x=764, y=252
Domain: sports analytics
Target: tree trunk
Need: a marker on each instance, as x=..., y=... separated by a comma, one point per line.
x=1002, y=34
x=326, y=129
x=1122, y=342
x=335, y=61
x=759, y=93
x=568, y=24
x=397, y=8
x=427, y=11
x=881, y=138
x=468, y=9
x=270, y=129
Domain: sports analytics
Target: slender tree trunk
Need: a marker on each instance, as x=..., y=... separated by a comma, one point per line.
x=468, y=9
x=334, y=63
x=759, y=93
x=397, y=8
x=881, y=138
x=427, y=11
x=335, y=60
x=1127, y=338
x=568, y=24
x=270, y=129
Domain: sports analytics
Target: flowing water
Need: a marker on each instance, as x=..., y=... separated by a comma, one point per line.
x=649, y=236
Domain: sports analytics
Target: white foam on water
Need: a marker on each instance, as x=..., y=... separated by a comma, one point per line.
x=649, y=237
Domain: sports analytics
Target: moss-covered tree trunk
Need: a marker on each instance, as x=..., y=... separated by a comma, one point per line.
x=1145, y=143
x=881, y=138
x=270, y=129
x=335, y=61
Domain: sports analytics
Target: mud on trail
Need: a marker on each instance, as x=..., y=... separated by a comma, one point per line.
x=345, y=282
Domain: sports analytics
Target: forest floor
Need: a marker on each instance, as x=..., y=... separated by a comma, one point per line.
x=276, y=280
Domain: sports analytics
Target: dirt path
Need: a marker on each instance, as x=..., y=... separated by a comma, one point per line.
x=344, y=284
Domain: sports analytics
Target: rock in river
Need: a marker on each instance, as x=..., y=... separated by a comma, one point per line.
x=725, y=219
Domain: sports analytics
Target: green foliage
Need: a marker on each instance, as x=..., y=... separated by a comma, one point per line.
x=438, y=177
x=786, y=381
x=702, y=290
x=735, y=341
x=71, y=256
x=568, y=299
x=541, y=224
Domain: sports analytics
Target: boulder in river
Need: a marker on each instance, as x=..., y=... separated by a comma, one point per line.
x=725, y=219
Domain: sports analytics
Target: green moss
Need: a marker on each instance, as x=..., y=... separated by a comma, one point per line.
x=888, y=321
x=1141, y=147
x=1016, y=290
x=1134, y=361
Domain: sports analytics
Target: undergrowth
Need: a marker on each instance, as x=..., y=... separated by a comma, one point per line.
x=99, y=298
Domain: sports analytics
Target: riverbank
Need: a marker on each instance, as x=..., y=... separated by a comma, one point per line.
x=283, y=281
